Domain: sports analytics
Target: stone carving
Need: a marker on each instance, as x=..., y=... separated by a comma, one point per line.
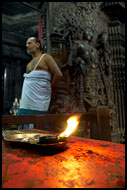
x=105, y=66
x=85, y=79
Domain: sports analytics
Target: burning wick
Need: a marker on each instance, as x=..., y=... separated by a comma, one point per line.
x=72, y=122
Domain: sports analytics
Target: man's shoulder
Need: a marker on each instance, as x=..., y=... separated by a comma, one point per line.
x=48, y=56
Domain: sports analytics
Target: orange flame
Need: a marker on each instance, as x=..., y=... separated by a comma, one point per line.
x=72, y=122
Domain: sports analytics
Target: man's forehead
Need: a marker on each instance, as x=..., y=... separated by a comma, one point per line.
x=31, y=39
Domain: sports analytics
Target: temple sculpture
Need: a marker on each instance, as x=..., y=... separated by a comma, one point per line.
x=83, y=52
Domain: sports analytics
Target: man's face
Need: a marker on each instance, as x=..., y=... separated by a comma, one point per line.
x=31, y=45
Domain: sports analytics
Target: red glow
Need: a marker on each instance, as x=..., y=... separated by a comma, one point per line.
x=86, y=163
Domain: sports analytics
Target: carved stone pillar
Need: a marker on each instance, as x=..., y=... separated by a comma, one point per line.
x=116, y=30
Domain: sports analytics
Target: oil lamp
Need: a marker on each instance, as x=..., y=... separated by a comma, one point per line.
x=72, y=124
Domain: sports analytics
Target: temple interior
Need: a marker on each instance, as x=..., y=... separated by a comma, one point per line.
x=80, y=141
x=60, y=27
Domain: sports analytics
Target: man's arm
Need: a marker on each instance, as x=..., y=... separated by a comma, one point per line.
x=54, y=69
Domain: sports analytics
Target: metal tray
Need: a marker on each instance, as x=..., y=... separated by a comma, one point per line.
x=31, y=138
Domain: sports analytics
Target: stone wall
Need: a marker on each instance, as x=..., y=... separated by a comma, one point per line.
x=78, y=92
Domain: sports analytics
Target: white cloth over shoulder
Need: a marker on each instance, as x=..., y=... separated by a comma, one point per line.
x=36, y=91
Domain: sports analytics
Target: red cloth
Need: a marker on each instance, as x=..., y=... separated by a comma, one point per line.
x=40, y=30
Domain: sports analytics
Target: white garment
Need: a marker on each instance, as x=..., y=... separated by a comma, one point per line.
x=36, y=91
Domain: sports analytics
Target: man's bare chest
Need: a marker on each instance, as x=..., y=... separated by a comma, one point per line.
x=34, y=65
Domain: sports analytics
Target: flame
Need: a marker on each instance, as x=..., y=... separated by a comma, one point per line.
x=72, y=122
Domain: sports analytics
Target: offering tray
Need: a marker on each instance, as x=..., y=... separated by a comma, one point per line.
x=34, y=138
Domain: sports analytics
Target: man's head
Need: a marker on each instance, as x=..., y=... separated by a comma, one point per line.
x=33, y=45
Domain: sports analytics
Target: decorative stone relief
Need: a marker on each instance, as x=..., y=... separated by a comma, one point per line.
x=81, y=85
